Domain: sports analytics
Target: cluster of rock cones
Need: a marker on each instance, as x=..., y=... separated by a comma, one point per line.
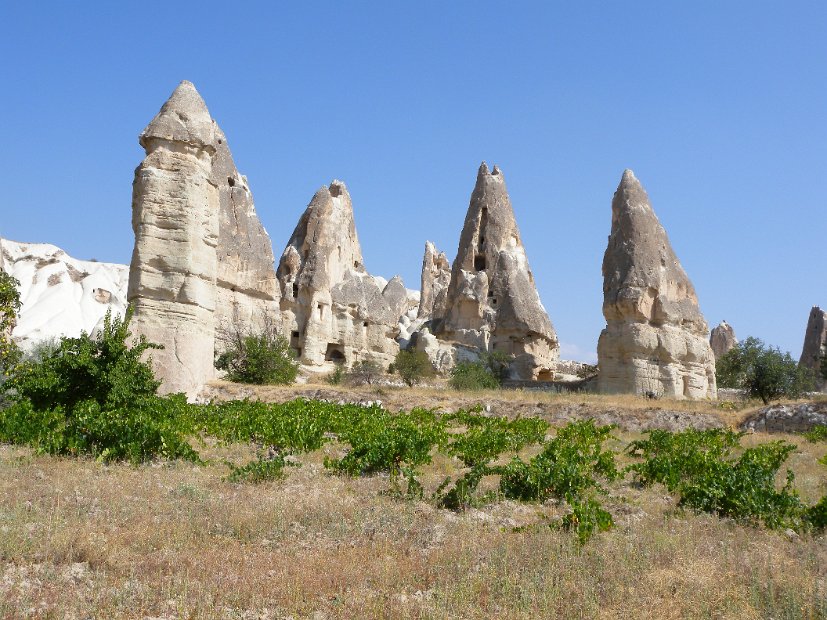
x=203, y=268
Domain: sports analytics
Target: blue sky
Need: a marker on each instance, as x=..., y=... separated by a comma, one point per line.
x=719, y=107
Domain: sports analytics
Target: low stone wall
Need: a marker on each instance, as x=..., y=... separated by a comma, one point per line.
x=787, y=418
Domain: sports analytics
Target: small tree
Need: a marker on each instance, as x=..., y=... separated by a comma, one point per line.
x=365, y=372
x=764, y=372
x=413, y=366
x=264, y=359
x=9, y=307
x=472, y=376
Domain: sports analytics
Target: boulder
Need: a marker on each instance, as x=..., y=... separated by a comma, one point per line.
x=815, y=344
x=175, y=217
x=491, y=302
x=333, y=310
x=655, y=341
x=722, y=339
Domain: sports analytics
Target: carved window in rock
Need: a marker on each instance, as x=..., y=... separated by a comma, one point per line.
x=321, y=311
x=334, y=353
x=479, y=262
x=295, y=291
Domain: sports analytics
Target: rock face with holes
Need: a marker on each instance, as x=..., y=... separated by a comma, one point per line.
x=175, y=217
x=333, y=310
x=815, y=344
x=436, y=275
x=247, y=294
x=655, y=341
x=491, y=301
x=722, y=339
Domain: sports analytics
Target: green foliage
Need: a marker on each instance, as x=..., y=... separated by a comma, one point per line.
x=672, y=458
x=338, y=374
x=816, y=516
x=96, y=396
x=701, y=468
x=396, y=444
x=105, y=369
x=764, y=372
x=571, y=464
x=148, y=428
x=744, y=489
x=364, y=373
x=587, y=517
x=472, y=376
x=413, y=366
x=264, y=359
x=9, y=307
x=260, y=470
x=487, y=373
x=483, y=441
x=817, y=433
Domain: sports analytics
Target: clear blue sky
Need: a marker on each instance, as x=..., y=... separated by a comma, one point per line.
x=719, y=107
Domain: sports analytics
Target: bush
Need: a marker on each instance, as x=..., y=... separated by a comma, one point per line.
x=764, y=372
x=263, y=359
x=472, y=376
x=337, y=376
x=9, y=307
x=95, y=396
x=413, y=366
x=365, y=372
x=105, y=369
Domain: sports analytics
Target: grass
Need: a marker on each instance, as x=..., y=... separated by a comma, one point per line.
x=171, y=540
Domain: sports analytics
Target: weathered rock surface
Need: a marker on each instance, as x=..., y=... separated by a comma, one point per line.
x=61, y=295
x=247, y=297
x=492, y=303
x=436, y=276
x=787, y=418
x=175, y=217
x=815, y=344
x=333, y=310
x=655, y=340
x=722, y=339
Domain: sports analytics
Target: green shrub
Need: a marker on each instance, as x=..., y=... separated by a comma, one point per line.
x=672, y=458
x=9, y=307
x=587, y=517
x=571, y=465
x=364, y=373
x=472, y=376
x=413, y=366
x=96, y=396
x=264, y=359
x=337, y=376
x=744, y=489
x=764, y=372
x=817, y=433
x=260, y=470
x=105, y=369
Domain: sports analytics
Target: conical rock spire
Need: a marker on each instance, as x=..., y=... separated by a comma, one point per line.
x=656, y=337
x=334, y=310
x=815, y=344
x=183, y=118
x=492, y=303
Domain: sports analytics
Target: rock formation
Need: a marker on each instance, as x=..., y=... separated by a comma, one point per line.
x=175, y=206
x=655, y=340
x=722, y=339
x=61, y=295
x=332, y=308
x=815, y=344
x=202, y=267
x=491, y=302
x=247, y=297
x=436, y=275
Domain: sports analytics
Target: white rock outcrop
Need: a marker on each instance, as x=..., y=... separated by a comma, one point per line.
x=436, y=276
x=60, y=295
x=656, y=339
x=175, y=217
x=333, y=310
x=722, y=339
x=247, y=295
x=492, y=303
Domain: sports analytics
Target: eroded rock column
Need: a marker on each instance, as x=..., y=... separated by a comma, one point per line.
x=655, y=341
x=175, y=217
